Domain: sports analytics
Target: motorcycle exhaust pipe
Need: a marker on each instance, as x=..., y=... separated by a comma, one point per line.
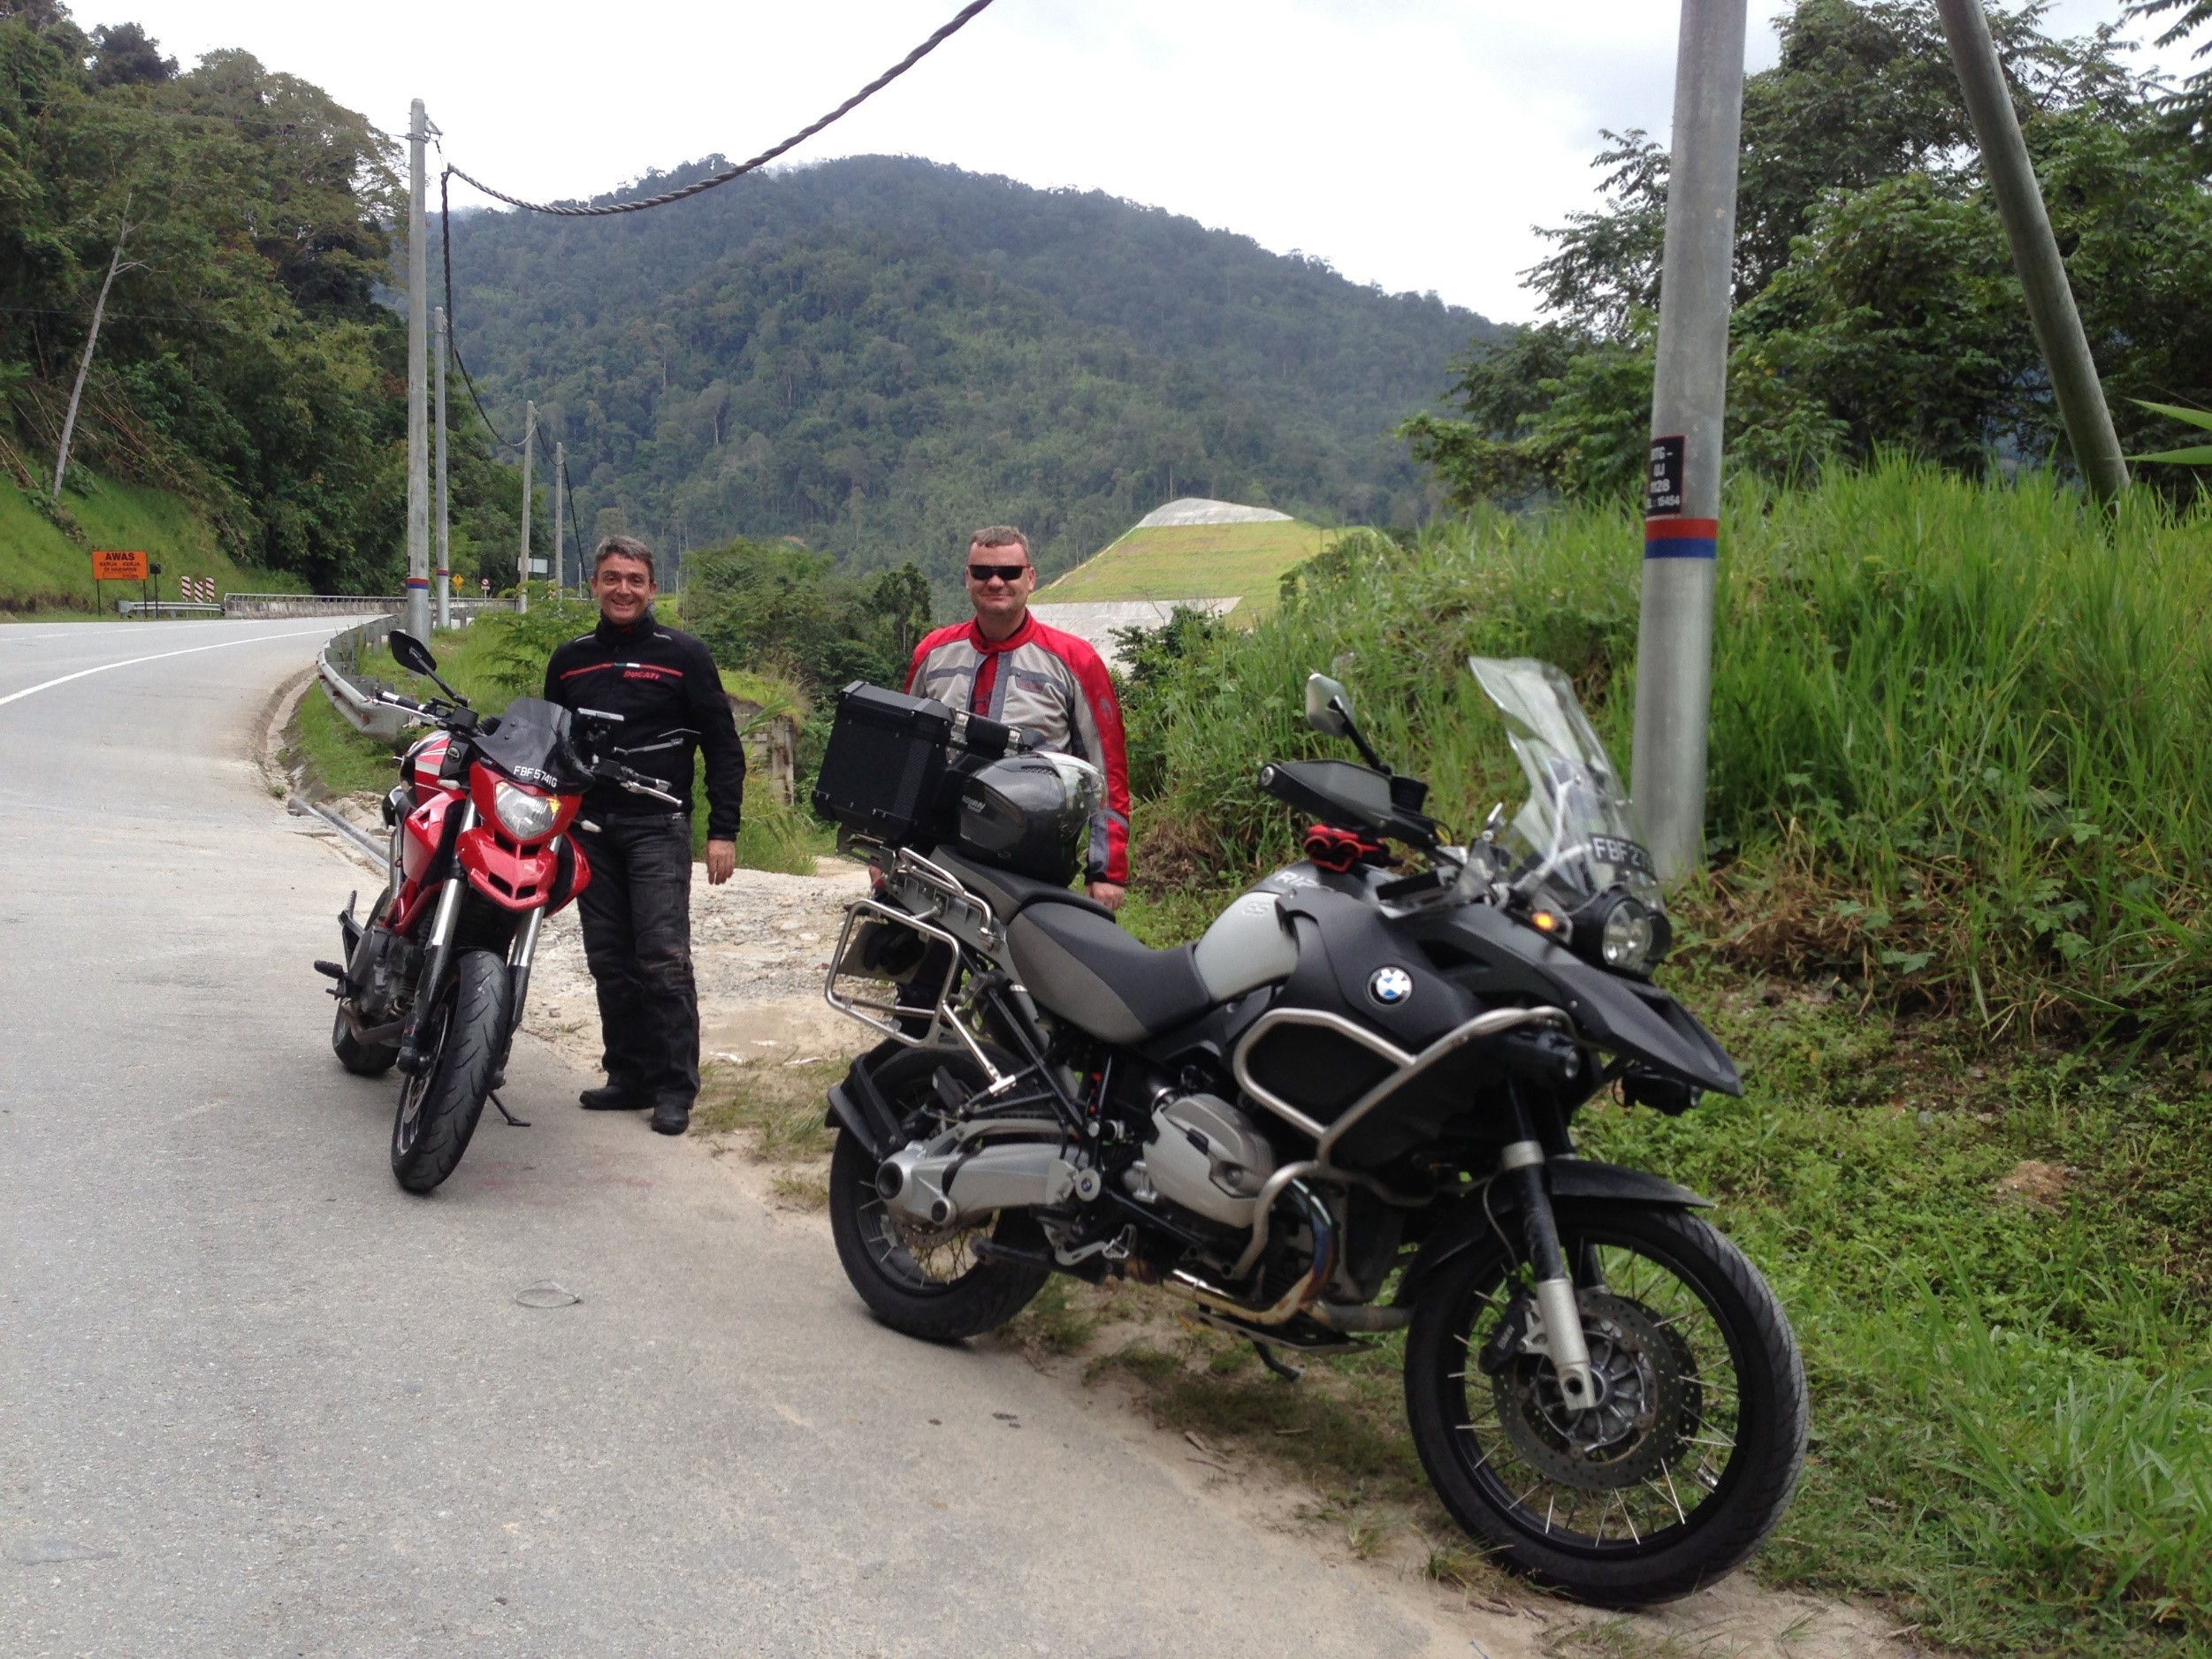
x=1298, y=1299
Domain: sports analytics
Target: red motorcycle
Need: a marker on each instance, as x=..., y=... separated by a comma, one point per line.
x=434, y=982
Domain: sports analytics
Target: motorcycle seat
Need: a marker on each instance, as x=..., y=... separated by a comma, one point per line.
x=1007, y=894
x=1077, y=961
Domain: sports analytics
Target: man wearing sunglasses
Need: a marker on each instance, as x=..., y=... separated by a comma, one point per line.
x=1007, y=665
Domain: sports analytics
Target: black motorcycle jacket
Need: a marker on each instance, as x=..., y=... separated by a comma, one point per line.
x=665, y=687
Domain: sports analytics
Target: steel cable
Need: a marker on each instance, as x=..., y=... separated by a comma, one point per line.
x=566, y=210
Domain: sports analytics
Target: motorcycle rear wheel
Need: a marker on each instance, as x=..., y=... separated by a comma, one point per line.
x=461, y=1041
x=1691, y=1456
x=934, y=1287
x=363, y=1060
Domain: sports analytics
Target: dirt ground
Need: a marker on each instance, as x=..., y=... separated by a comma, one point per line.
x=760, y=946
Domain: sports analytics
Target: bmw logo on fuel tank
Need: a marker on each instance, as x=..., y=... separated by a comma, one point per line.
x=1390, y=986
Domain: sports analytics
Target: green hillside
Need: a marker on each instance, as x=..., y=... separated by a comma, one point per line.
x=1194, y=562
x=877, y=354
x=41, y=570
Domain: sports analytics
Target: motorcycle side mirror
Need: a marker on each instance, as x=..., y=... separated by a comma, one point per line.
x=1328, y=706
x=1328, y=711
x=411, y=654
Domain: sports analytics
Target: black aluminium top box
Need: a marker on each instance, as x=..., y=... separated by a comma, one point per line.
x=883, y=772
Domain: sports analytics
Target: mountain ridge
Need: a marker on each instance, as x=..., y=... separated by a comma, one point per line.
x=872, y=355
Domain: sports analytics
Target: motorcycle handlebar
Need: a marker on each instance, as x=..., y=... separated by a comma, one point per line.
x=614, y=772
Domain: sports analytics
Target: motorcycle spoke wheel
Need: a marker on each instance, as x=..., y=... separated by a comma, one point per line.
x=935, y=1283
x=1689, y=1454
x=1650, y=1457
x=924, y=1260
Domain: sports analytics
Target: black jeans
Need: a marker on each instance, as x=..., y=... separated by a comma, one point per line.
x=636, y=916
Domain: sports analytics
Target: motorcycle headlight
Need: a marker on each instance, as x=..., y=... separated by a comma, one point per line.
x=1631, y=940
x=527, y=816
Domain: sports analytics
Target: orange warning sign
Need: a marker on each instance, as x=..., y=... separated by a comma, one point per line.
x=113, y=566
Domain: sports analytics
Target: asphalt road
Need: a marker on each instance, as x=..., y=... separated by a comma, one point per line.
x=255, y=1400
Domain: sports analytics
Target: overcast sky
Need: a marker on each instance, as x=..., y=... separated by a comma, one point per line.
x=1412, y=143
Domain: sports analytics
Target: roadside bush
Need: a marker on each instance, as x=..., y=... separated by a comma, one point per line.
x=1960, y=729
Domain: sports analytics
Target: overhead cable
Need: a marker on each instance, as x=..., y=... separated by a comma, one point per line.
x=571, y=211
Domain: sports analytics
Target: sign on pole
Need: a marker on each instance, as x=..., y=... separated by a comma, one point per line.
x=109, y=565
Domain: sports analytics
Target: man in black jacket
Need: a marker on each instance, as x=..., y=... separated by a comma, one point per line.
x=636, y=913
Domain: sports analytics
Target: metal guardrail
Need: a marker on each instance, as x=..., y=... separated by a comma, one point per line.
x=345, y=605
x=308, y=603
x=353, y=693
x=165, y=607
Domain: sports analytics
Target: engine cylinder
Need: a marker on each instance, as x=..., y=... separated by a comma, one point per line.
x=1206, y=1156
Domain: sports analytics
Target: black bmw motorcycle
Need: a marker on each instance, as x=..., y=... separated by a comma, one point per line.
x=1346, y=1110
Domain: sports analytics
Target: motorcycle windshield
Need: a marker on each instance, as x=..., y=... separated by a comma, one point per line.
x=1576, y=837
x=526, y=744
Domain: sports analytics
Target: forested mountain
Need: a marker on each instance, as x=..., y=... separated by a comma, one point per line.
x=247, y=361
x=874, y=355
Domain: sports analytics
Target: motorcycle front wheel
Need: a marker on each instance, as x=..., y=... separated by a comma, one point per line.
x=929, y=1283
x=1689, y=1457
x=459, y=1040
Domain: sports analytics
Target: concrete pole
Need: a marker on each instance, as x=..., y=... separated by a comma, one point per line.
x=2027, y=227
x=530, y=443
x=1674, y=676
x=561, y=513
x=418, y=614
x=445, y=522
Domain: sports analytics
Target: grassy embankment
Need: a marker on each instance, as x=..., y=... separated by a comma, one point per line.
x=1957, y=936
x=44, y=571
x=1194, y=562
x=502, y=658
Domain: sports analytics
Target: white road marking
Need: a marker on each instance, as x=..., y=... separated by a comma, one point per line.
x=132, y=662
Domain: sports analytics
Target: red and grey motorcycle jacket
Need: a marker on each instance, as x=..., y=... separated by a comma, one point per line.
x=1051, y=684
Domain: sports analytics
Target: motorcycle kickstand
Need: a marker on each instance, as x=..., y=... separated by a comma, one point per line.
x=515, y=1121
x=1280, y=1366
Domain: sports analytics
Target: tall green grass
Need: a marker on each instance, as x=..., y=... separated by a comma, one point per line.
x=1962, y=732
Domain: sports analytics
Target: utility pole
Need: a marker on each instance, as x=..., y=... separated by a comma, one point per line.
x=418, y=614
x=445, y=524
x=1682, y=505
x=522, y=565
x=561, y=516
x=2027, y=227
x=84, y=367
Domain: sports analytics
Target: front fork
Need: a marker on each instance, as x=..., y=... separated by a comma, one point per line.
x=1523, y=1162
x=440, y=954
x=519, y=956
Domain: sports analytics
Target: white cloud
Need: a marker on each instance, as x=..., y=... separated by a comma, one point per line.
x=1410, y=142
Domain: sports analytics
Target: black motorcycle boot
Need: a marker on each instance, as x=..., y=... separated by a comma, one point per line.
x=671, y=1116
x=613, y=1097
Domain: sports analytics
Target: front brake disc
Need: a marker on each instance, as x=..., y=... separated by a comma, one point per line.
x=1646, y=1381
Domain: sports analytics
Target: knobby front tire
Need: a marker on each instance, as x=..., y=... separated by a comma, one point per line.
x=461, y=1040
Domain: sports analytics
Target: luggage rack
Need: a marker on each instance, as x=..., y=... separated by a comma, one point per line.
x=934, y=890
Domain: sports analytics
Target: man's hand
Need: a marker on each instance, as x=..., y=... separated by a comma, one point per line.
x=721, y=859
x=1109, y=894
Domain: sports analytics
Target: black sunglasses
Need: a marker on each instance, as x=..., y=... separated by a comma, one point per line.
x=1007, y=574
